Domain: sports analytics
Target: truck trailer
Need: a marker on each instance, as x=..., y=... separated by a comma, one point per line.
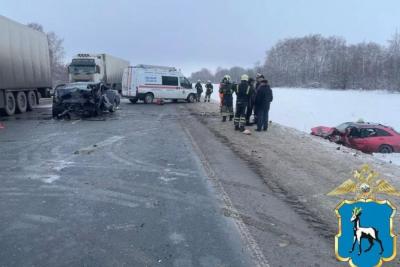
x=97, y=68
x=24, y=67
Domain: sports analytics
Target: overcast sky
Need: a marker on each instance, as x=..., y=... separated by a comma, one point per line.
x=191, y=34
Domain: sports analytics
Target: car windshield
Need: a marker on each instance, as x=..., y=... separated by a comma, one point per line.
x=394, y=130
x=70, y=87
x=342, y=127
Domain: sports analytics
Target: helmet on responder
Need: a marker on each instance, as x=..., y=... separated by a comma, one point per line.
x=259, y=77
x=244, y=77
x=226, y=78
x=198, y=81
x=208, y=81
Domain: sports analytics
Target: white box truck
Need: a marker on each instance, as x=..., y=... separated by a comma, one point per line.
x=97, y=68
x=24, y=67
x=147, y=82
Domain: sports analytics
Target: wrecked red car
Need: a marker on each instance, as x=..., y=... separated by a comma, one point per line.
x=366, y=137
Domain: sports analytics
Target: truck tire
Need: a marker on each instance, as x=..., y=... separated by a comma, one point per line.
x=148, y=98
x=133, y=100
x=9, y=107
x=32, y=100
x=22, y=102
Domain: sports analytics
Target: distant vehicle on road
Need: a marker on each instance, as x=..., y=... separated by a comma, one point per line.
x=366, y=137
x=84, y=99
x=24, y=67
x=97, y=68
x=148, y=82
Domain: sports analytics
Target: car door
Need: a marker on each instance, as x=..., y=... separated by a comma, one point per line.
x=378, y=138
x=354, y=138
x=170, y=86
x=127, y=83
x=185, y=87
x=365, y=142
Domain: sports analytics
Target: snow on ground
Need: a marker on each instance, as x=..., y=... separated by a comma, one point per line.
x=303, y=109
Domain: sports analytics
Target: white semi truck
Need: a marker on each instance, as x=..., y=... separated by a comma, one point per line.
x=97, y=68
x=24, y=67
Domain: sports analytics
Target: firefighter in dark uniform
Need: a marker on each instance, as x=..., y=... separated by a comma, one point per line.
x=250, y=101
x=209, y=91
x=242, y=99
x=226, y=89
x=199, y=89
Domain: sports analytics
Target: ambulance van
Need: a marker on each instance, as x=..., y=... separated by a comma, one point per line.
x=148, y=82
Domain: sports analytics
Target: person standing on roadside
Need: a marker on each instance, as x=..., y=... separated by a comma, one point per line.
x=209, y=91
x=263, y=101
x=259, y=78
x=242, y=99
x=250, y=101
x=199, y=89
x=226, y=89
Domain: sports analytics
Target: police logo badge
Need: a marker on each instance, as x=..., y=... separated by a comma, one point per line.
x=365, y=236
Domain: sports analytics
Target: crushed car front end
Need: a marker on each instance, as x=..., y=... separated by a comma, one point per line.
x=81, y=99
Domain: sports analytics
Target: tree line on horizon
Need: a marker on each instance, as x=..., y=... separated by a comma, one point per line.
x=315, y=61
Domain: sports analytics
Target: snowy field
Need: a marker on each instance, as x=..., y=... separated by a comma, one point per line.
x=303, y=109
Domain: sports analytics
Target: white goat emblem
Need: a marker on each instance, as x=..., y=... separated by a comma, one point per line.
x=362, y=232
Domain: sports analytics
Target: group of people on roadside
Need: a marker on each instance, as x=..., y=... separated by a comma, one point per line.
x=253, y=98
x=209, y=91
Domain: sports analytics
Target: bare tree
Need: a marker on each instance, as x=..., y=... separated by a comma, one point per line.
x=57, y=54
x=202, y=75
x=317, y=61
x=393, y=62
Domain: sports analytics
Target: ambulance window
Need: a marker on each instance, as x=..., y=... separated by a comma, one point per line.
x=170, y=80
x=185, y=83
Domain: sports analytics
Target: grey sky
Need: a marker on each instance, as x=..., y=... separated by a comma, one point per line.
x=203, y=33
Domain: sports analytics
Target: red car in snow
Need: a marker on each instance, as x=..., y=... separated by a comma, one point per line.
x=366, y=137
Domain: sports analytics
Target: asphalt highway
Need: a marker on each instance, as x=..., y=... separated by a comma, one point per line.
x=125, y=189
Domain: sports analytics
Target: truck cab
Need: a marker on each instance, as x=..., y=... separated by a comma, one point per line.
x=148, y=82
x=86, y=68
x=97, y=68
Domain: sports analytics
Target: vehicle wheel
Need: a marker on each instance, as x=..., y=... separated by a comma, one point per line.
x=9, y=107
x=22, y=102
x=148, y=99
x=32, y=100
x=97, y=111
x=385, y=149
x=175, y=100
x=190, y=98
x=114, y=106
x=55, y=112
x=133, y=100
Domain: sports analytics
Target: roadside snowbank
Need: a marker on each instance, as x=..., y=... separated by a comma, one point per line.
x=296, y=166
x=303, y=109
